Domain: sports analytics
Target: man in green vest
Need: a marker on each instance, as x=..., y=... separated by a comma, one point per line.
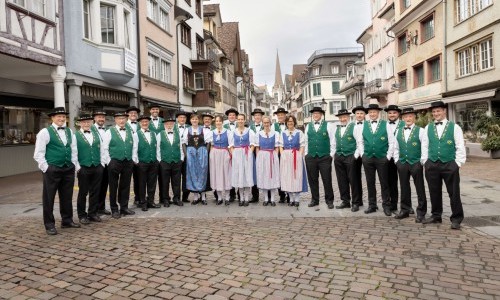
x=443, y=153
x=119, y=145
x=170, y=155
x=357, y=182
x=393, y=124
x=156, y=123
x=90, y=174
x=319, y=151
x=133, y=113
x=147, y=165
x=344, y=158
x=181, y=127
x=100, y=129
x=407, y=155
x=256, y=126
x=375, y=142
x=57, y=157
x=230, y=124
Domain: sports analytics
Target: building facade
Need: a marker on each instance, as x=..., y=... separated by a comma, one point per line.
x=232, y=69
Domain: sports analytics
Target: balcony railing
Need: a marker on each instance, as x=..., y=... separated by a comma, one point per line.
x=377, y=87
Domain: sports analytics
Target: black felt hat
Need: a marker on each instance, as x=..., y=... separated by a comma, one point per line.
x=393, y=107
x=281, y=110
x=373, y=106
x=317, y=109
x=58, y=111
x=355, y=109
x=231, y=110
x=342, y=112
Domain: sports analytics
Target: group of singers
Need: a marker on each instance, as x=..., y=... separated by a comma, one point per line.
x=233, y=160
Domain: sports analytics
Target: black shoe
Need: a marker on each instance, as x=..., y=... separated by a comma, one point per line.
x=296, y=204
x=153, y=205
x=330, y=206
x=312, y=204
x=290, y=204
x=343, y=205
x=145, y=208
x=240, y=204
x=231, y=199
x=402, y=215
x=204, y=202
x=227, y=202
x=265, y=203
x=70, y=225
x=455, y=225
x=432, y=220
x=282, y=200
x=127, y=212
x=167, y=204
x=419, y=219
x=219, y=202
x=254, y=200
x=412, y=212
x=185, y=199
x=354, y=208
x=84, y=221
x=245, y=203
x=104, y=212
x=115, y=215
x=394, y=210
x=177, y=202
x=195, y=202
x=387, y=212
x=287, y=198
x=95, y=218
x=273, y=203
x=51, y=231
x=137, y=203
x=370, y=210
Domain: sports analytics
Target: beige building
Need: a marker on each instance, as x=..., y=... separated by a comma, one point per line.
x=157, y=55
x=419, y=49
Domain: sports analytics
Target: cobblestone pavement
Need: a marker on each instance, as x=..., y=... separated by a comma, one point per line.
x=237, y=258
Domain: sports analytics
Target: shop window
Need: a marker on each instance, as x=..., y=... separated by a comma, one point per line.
x=19, y=126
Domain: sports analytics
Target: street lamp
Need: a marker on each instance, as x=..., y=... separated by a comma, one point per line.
x=181, y=16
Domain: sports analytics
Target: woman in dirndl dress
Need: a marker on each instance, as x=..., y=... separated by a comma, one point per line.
x=267, y=162
x=220, y=161
x=292, y=167
x=197, y=145
x=242, y=163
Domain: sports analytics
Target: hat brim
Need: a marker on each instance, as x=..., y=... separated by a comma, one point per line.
x=133, y=109
x=317, y=110
x=57, y=113
x=374, y=108
x=280, y=112
x=123, y=115
x=409, y=112
x=438, y=106
x=180, y=114
x=257, y=112
x=344, y=114
x=394, y=109
x=99, y=114
x=205, y=115
x=231, y=111
x=168, y=120
x=140, y=119
x=86, y=119
x=356, y=109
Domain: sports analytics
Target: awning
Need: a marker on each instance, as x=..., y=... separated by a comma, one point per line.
x=471, y=96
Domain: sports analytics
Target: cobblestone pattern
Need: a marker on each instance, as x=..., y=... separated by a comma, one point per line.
x=303, y=258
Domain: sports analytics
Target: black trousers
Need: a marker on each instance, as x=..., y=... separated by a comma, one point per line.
x=185, y=192
x=415, y=171
x=61, y=181
x=357, y=183
x=103, y=190
x=316, y=166
x=120, y=174
x=255, y=189
x=135, y=176
x=171, y=174
x=345, y=171
x=372, y=166
x=392, y=173
x=436, y=173
x=89, y=183
x=160, y=192
x=148, y=175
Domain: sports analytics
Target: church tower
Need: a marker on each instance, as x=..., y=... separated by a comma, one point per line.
x=278, y=87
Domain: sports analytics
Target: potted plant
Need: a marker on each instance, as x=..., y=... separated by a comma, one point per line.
x=489, y=126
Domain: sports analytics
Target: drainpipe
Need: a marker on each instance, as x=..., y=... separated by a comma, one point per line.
x=138, y=42
x=445, y=57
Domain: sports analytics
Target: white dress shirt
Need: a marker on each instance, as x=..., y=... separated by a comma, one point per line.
x=460, y=154
x=360, y=145
x=156, y=123
x=206, y=138
x=182, y=130
x=232, y=125
x=258, y=127
x=406, y=135
x=170, y=138
x=105, y=159
x=101, y=132
x=133, y=126
x=43, y=138
x=331, y=135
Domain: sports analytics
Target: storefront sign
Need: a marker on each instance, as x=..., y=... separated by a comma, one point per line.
x=130, y=61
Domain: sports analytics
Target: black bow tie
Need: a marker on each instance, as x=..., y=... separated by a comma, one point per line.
x=231, y=124
x=155, y=119
x=360, y=123
x=146, y=130
x=133, y=122
x=86, y=131
x=170, y=132
x=101, y=128
x=374, y=122
x=341, y=125
x=207, y=127
x=182, y=126
x=407, y=128
x=282, y=124
x=316, y=123
x=61, y=128
x=258, y=125
x=392, y=122
x=439, y=123
x=123, y=128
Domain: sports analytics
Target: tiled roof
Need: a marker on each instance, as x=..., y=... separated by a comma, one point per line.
x=296, y=73
x=228, y=35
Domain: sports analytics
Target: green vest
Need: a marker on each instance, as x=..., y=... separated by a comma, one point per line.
x=409, y=151
x=88, y=155
x=376, y=143
x=152, y=127
x=170, y=153
x=56, y=153
x=442, y=149
x=146, y=152
x=118, y=148
x=176, y=128
x=255, y=128
x=346, y=144
x=400, y=125
x=318, y=144
x=277, y=127
x=228, y=127
x=129, y=127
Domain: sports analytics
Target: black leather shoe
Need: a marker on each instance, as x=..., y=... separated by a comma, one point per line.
x=70, y=225
x=104, y=212
x=240, y=203
x=330, y=206
x=219, y=202
x=51, y=231
x=227, y=202
x=419, y=219
x=402, y=215
x=115, y=215
x=265, y=203
x=343, y=205
x=145, y=208
x=195, y=202
x=153, y=205
x=282, y=200
x=296, y=204
x=354, y=208
x=394, y=211
x=245, y=203
x=95, y=218
x=412, y=212
x=312, y=204
x=455, y=225
x=273, y=203
x=204, y=202
x=387, y=212
x=432, y=220
x=167, y=204
x=137, y=203
x=84, y=221
x=370, y=210
x=127, y=212
x=178, y=203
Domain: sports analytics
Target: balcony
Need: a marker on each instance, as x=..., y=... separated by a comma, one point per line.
x=378, y=88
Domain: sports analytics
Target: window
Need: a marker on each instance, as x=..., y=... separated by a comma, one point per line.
x=405, y=4
x=198, y=81
x=419, y=75
x=186, y=35
x=335, y=68
x=350, y=70
x=186, y=77
x=199, y=47
x=402, y=44
x=87, y=22
x=402, y=81
x=152, y=8
x=434, y=69
x=427, y=28
x=158, y=13
x=317, y=89
x=198, y=8
x=107, y=24
x=164, y=20
x=335, y=106
x=126, y=29
x=335, y=87
x=475, y=58
x=38, y=7
x=153, y=62
x=468, y=8
x=224, y=73
x=316, y=70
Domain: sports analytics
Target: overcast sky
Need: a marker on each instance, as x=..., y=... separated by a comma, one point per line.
x=295, y=27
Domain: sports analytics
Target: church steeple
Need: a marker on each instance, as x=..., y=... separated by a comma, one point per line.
x=278, y=81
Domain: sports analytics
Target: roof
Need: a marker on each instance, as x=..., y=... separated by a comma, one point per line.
x=211, y=9
x=297, y=73
x=229, y=38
